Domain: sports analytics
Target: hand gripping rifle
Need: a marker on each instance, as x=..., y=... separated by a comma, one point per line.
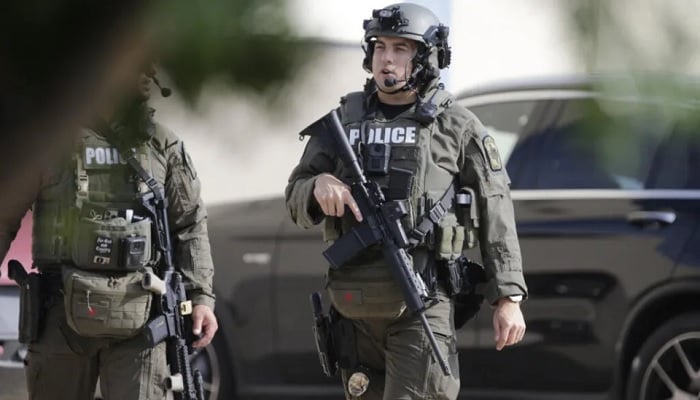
x=382, y=225
x=172, y=305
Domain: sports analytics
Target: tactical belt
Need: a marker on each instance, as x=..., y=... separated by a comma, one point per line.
x=432, y=217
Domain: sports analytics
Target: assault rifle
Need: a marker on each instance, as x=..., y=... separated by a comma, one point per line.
x=172, y=305
x=381, y=225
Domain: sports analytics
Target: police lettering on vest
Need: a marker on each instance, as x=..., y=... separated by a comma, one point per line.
x=388, y=135
x=102, y=156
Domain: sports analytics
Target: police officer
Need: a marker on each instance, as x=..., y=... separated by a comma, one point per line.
x=415, y=142
x=92, y=243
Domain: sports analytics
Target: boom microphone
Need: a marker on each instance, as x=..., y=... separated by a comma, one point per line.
x=389, y=82
x=164, y=91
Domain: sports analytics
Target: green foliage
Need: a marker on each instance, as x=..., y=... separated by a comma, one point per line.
x=245, y=43
x=648, y=50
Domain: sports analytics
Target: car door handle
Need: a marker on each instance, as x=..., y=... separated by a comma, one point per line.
x=257, y=258
x=649, y=217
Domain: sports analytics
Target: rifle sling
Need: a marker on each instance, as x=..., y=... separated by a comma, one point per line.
x=432, y=217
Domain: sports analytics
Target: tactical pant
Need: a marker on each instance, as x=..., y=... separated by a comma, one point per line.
x=64, y=365
x=399, y=357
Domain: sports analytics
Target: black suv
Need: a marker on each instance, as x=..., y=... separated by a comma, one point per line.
x=607, y=197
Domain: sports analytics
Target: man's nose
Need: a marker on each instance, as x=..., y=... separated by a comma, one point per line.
x=388, y=56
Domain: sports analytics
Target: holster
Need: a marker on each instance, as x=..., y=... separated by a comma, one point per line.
x=344, y=341
x=31, y=308
x=460, y=278
x=334, y=337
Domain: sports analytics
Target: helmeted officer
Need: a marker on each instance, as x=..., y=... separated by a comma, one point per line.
x=416, y=143
x=93, y=241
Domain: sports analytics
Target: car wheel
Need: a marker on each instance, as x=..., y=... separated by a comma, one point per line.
x=668, y=364
x=213, y=364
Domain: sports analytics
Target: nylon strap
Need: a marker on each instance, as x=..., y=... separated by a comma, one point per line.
x=432, y=217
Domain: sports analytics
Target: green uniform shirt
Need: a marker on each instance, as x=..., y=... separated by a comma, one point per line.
x=461, y=146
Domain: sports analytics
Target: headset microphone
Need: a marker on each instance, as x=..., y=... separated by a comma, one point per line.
x=389, y=82
x=164, y=91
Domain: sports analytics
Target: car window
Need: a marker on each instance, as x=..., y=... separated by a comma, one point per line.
x=505, y=122
x=677, y=163
x=593, y=145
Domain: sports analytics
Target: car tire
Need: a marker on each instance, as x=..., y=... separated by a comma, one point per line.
x=214, y=365
x=668, y=363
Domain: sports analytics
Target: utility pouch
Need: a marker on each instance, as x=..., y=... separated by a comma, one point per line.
x=105, y=305
x=449, y=238
x=365, y=291
x=31, y=309
x=111, y=245
x=467, y=215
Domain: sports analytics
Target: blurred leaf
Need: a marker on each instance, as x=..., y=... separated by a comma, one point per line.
x=244, y=43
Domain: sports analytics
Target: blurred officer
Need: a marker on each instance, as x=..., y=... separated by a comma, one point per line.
x=93, y=240
x=416, y=143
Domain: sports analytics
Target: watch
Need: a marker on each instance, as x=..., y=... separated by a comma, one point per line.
x=516, y=298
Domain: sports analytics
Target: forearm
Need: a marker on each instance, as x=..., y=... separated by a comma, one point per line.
x=192, y=257
x=301, y=204
x=500, y=249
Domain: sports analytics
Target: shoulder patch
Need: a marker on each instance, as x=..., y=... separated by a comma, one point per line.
x=494, y=158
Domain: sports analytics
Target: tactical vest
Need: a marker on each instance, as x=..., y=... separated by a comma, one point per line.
x=422, y=164
x=419, y=170
x=89, y=213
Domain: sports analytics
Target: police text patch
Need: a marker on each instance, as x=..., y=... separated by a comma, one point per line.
x=387, y=135
x=492, y=155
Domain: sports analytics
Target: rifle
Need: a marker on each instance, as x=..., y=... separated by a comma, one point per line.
x=171, y=300
x=381, y=224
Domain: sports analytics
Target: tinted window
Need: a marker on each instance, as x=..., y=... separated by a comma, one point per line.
x=505, y=122
x=593, y=145
x=677, y=163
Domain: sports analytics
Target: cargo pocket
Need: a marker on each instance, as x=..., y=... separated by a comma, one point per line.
x=100, y=305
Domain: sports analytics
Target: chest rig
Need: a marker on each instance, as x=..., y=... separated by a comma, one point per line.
x=403, y=156
x=90, y=213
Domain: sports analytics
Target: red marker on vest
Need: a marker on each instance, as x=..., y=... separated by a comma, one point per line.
x=347, y=297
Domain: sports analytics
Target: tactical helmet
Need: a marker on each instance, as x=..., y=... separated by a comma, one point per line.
x=413, y=22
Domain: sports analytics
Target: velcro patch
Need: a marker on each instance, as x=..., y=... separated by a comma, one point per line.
x=492, y=155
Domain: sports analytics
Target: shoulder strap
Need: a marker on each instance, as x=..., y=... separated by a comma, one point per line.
x=353, y=107
x=432, y=217
x=150, y=181
x=130, y=156
x=82, y=183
